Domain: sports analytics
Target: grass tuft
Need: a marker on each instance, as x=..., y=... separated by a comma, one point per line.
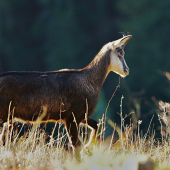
x=131, y=151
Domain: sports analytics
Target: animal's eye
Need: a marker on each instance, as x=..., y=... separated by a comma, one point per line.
x=120, y=51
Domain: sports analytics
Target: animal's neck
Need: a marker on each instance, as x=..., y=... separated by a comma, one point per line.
x=98, y=69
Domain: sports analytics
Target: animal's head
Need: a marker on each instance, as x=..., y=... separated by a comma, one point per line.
x=117, y=61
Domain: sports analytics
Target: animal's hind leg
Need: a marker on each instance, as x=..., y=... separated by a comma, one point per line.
x=7, y=132
x=3, y=133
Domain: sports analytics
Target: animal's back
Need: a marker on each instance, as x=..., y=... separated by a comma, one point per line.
x=62, y=92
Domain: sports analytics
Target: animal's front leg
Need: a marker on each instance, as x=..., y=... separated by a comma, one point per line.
x=92, y=123
x=72, y=132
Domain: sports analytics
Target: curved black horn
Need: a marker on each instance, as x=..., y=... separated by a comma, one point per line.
x=127, y=33
x=122, y=33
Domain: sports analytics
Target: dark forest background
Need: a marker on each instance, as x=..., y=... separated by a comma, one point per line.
x=44, y=35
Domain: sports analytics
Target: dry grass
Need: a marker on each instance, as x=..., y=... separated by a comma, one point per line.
x=130, y=152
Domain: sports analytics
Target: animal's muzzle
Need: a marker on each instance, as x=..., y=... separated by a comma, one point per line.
x=126, y=71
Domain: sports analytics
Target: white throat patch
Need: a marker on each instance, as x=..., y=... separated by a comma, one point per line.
x=116, y=64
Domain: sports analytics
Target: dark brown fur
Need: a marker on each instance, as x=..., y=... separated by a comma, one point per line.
x=66, y=91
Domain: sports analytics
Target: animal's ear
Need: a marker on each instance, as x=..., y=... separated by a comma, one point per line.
x=122, y=41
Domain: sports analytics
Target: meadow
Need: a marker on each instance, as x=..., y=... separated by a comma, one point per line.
x=133, y=151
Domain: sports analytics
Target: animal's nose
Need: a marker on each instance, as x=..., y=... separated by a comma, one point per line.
x=126, y=71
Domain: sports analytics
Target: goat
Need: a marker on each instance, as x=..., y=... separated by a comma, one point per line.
x=64, y=92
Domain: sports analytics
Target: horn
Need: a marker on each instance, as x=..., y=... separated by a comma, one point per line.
x=122, y=33
x=127, y=33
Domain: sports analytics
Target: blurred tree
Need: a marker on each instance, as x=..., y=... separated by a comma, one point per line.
x=21, y=47
x=50, y=35
x=76, y=30
x=148, y=54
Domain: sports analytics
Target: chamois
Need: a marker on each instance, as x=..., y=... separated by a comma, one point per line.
x=65, y=92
